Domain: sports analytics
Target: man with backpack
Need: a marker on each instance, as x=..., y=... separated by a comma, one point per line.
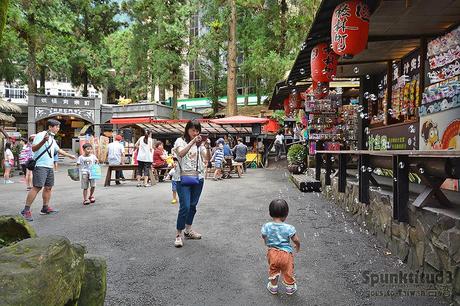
x=44, y=147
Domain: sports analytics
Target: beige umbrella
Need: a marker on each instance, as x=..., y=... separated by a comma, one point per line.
x=9, y=108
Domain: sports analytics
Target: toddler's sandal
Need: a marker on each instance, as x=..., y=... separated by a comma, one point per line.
x=92, y=199
x=86, y=202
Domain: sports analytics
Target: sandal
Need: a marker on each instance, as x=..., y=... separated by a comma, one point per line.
x=86, y=202
x=92, y=199
x=139, y=185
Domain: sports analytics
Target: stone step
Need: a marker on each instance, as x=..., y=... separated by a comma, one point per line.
x=305, y=183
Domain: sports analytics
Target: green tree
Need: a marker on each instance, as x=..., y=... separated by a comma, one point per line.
x=3, y=15
x=208, y=50
x=89, y=59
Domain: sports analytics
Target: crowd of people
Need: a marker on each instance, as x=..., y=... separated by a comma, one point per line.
x=191, y=154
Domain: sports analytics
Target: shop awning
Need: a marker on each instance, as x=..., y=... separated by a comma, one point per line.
x=167, y=128
x=240, y=120
x=133, y=120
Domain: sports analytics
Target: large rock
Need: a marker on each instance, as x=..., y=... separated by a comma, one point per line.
x=95, y=282
x=14, y=229
x=41, y=271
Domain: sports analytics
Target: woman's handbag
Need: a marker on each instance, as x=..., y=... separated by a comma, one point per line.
x=95, y=172
x=190, y=177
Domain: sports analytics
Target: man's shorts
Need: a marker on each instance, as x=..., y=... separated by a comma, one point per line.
x=218, y=165
x=43, y=176
x=174, y=186
x=86, y=182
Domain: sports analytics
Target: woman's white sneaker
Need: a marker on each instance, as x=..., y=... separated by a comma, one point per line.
x=178, y=243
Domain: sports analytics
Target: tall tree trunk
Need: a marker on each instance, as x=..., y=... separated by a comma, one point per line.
x=162, y=96
x=3, y=14
x=258, y=90
x=231, y=63
x=283, y=29
x=42, y=79
x=215, y=82
x=246, y=90
x=32, y=66
x=174, y=102
x=85, y=83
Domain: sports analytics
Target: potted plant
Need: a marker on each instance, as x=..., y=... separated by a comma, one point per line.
x=296, y=158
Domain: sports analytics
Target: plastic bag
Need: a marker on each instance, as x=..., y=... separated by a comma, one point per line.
x=95, y=172
x=74, y=174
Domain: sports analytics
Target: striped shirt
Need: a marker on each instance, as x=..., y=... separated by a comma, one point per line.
x=218, y=156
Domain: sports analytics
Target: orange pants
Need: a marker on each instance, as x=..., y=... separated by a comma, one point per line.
x=281, y=262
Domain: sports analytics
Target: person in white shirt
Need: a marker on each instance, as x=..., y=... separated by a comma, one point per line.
x=279, y=143
x=144, y=146
x=116, y=156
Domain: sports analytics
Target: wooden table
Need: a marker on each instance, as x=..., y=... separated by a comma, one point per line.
x=110, y=168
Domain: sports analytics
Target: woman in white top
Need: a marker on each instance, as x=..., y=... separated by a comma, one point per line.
x=279, y=143
x=144, y=146
x=192, y=154
x=8, y=163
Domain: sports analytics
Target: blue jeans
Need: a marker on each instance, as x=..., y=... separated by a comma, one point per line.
x=188, y=200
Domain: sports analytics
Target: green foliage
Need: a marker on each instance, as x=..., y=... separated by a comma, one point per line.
x=3, y=14
x=279, y=115
x=297, y=154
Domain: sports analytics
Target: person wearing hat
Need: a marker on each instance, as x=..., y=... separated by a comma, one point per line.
x=44, y=147
x=116, y=156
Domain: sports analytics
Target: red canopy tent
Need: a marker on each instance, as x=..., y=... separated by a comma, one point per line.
x=240, y=120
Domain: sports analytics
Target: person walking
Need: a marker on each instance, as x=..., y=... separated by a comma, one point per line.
x=116, y=156
x=279, y=144
x=44, y=146
x=240, y=151
x=144, y=146
x=26, y=155
x=85, y=162
x=8, y=163
x=192, y=154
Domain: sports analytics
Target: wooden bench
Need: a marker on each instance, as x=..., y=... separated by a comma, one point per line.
x=113, y=168
x=156, y=172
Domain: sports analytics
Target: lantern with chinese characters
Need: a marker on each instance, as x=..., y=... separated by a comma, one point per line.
x=323, y=63
x=320, y=90
x=350, y=28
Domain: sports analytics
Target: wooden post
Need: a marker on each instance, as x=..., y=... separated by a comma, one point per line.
x=319, y=161
x=364, y=175
x=327, y=180
x=342, y=172
x=400, y=188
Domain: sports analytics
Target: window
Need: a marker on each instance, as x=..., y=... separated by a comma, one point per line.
x=93, y=94
x=66, y=92
x=13, y=91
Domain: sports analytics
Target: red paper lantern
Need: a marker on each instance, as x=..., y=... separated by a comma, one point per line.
x=323, y=62
x=320, y=90
x=350, y=28
x=287, y=107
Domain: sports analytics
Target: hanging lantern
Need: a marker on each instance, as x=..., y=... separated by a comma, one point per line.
x=287, y=107
x=350, y=28
x=320, y=90
x=323, y=62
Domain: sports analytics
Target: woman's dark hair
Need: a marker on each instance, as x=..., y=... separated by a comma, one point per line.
x=278, y=208
x=158, y=143
x=280, y=131
x=191, y=124
x=146, y=136
x=52, y=123
x=7, y=145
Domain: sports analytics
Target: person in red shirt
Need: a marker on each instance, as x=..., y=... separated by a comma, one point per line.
x=159, y=159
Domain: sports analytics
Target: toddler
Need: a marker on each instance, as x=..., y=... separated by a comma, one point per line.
x=173, y=182
x=86, y=161
x=277, y=236
x=218, y=159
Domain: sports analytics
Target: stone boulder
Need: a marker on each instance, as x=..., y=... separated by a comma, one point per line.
x=41, y=271
x=14, y=229
x=94, y=283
